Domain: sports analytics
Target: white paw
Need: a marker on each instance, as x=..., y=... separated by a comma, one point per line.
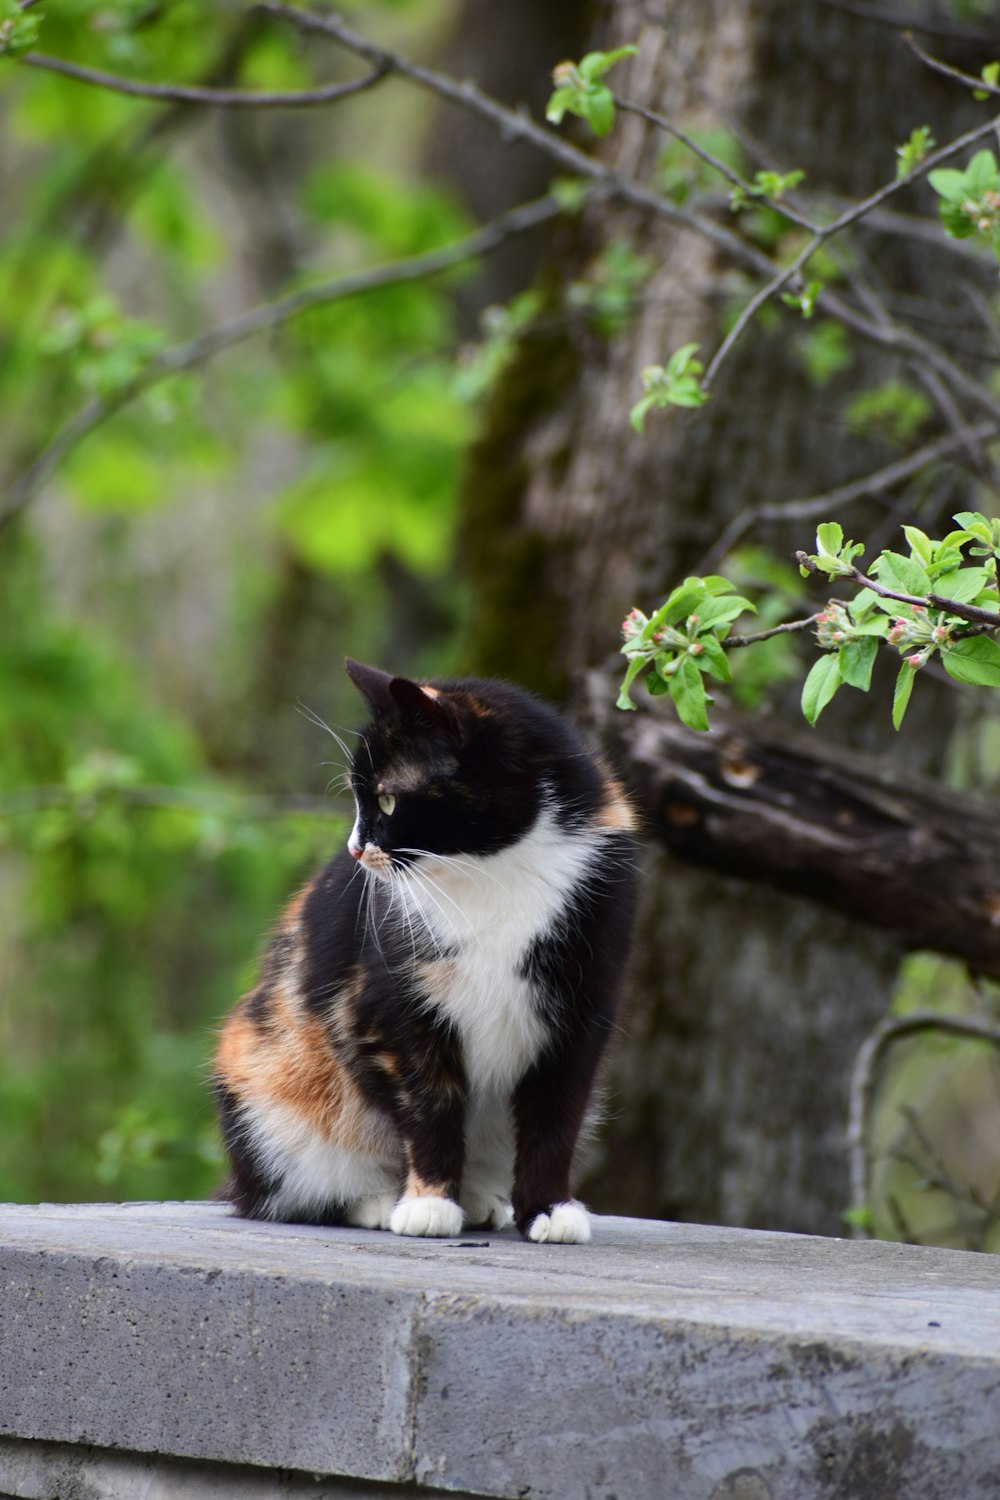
x=371, y=1213
x=484, y=1209
x=437, y=1216
x=567, y=1224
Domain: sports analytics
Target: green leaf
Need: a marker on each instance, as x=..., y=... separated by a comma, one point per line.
x=597, y=107
x=562, y=100
x=596, y=64
x=819, y=687
x=637, y=416
x=687, y=689
x=18, y=29
x=964, y=585
x=856, y=660
x=715, y=659
x=981, y=174
x=956, y=221
x=976, y=524
x=829, y=538
x=722, y=609
x=949, y=183
x=681, y=602
x=904, y=574
x=901, y=694
x=634, y=668
x=975, y=661
x=920, y=543
x=680, y=360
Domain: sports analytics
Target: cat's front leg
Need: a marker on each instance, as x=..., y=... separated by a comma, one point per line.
x=549, y=1105
x=433, y=1135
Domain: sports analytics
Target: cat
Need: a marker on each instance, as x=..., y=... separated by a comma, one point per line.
x=421, y=1047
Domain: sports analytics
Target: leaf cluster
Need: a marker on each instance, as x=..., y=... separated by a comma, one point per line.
x=677, y=383
x=970, y=199
x=927, y=603
x=581, y=91
x=681, y=643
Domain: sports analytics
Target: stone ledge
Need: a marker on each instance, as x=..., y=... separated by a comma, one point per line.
x=661, y=1360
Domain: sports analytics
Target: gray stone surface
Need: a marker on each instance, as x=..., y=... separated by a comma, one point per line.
x=58, y=1471
x=661, y=1360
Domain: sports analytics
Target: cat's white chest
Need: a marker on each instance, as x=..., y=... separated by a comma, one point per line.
x=485, y=912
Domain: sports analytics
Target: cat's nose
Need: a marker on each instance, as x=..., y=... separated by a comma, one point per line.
x=356, y=852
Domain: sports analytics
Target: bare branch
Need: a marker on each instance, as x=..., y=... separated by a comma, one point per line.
x=518, y=125
x=947, y=70
x=715, y=162
x=828, y=300
x=260, y=320
x=787, y=628
x=864, y=1078
x=899, y=22
x=833, y=501
x=178, y=93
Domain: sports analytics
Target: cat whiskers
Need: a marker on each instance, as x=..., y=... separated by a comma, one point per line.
x=428, y=886
x=462, y=862
x=314, y=718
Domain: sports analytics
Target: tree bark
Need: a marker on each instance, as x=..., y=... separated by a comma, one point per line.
x=728, y=1095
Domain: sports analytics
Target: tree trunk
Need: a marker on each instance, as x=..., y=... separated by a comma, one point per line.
x=728, y=1096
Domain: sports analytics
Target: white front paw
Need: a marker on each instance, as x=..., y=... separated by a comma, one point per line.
x=567, y=1224
x=431, y=1216
x=485, y=1209
x=371, y=1213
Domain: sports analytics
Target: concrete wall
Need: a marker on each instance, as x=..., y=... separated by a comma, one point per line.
x=164, y=1350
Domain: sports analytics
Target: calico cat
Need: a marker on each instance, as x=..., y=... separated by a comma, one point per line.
x=422, y=1044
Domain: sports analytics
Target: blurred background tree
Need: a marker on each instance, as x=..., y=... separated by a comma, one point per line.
x=204, y=507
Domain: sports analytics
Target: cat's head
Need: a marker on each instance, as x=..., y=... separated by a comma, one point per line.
x=442, y=769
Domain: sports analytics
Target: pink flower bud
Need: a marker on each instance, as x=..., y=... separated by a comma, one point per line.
x=822, y=618
x=914, y=661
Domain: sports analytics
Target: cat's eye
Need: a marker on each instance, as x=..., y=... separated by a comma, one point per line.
x=386, y=802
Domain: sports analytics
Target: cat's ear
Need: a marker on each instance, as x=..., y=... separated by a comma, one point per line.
x=419, y=707
x=372, y=684
x=426, y=708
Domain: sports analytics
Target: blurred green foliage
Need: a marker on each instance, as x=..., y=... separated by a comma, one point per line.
x=146, y=837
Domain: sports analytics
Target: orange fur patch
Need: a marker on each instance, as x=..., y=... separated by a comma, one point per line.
x=616, y=811
x=293, y=1064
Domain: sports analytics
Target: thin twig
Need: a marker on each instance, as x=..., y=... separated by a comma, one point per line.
x=832, y=501
x=518, y=125
x=899, y=22
x=765, y=635
x=864, y=1077
x=978, y=460
x=947, y=70
x=260, y=320
x=843, y=220
x=179, y=93
x=716, y=163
